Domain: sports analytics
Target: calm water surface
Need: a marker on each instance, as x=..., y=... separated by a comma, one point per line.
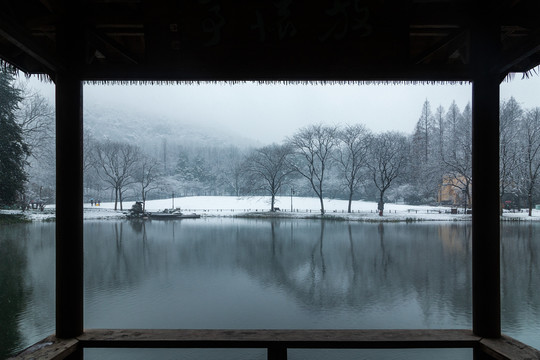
x=268, y=274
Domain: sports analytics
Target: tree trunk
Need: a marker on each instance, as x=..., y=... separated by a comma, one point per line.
x=143, y=200
x=350, y=202
x=380, y=205
x=116, y=199
x=322, y=204
x=273, y=201
x=529, y=201
x=502, y=201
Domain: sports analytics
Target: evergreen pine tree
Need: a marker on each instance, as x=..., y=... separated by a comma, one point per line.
x=13, y=150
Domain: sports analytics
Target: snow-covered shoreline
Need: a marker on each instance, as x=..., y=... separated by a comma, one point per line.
x=258, y=206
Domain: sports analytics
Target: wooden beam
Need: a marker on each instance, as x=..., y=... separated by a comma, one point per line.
x=440, y=45
x=258, y=72
x=53, y=6
x=101, y=39
x=319, y=339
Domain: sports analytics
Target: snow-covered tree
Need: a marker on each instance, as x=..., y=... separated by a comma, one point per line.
x=268, y=169
x=313, y=146
x=530, y=153
x=351, y=157
x=422, y=138
x=389, y=152
x=115, y=164
x=457, y=159
x=439, y=131
x=13, y=150
x=426, y=147
x=452, y=133
x=230, y=172
x=509, y=159
x=146, y=174
x=36, y=119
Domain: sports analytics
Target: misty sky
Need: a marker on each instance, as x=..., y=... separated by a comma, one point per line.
x=270, y=113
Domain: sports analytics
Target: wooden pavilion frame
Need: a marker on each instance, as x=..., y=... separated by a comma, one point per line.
x=128, y=41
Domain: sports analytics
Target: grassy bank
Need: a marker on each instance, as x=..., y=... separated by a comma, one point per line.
x=13, y=219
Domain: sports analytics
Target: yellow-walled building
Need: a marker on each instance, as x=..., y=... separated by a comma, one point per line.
x=451, y=191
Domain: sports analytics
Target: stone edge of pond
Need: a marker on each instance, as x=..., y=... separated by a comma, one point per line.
x=10, y=219
x=270, y=215
x=17, y=218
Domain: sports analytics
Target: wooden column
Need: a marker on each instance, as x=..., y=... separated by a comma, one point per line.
x=69, y=183
x=69, y=203
x=485, y=176
x=277, y=353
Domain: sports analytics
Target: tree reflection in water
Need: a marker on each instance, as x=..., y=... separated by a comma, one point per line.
x=239, y=273
x=14, y=288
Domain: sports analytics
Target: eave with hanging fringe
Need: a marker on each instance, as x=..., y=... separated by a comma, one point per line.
x=368, y=41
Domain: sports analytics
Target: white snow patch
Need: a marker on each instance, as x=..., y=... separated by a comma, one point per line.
x=302, y=206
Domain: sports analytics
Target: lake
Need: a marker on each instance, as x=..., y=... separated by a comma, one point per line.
x=267, y=274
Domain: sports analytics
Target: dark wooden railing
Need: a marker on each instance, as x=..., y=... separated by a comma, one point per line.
x=278, y=341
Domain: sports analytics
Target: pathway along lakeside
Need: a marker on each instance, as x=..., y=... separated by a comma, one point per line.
x=392, y=216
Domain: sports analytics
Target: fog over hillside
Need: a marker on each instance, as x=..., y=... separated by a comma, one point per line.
x=150, y=130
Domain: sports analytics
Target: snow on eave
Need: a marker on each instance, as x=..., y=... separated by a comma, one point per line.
x=535, y=71
x=275, y=82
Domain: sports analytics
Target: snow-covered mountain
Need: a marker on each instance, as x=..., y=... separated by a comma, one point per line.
x=150, y=130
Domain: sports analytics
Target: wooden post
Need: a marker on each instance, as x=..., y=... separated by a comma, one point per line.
x=485, y=176
x=69, y=203
x=69, y=184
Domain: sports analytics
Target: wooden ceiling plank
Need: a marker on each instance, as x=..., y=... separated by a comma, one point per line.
x=440, y=45
x=124, y=53
x=514, y=57
x=26, y=44
x=53, y=6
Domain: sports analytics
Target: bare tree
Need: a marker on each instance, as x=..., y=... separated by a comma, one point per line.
x=422, y=136
x=93, y=183
x=439, y=129
x=269, y=168
x=234, y=177
x=388, y=153
x=146, y=174
x=453, y=120
x=351, y=156
x=230, y=171
x=36, y=118
x=458, y=160
x=509, y=160
x=531, y=153
x=425, y=170
x=115, y=163
x=313, y=146
x=436, y=167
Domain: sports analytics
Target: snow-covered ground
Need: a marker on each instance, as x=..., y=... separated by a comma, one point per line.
x=259, y=206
